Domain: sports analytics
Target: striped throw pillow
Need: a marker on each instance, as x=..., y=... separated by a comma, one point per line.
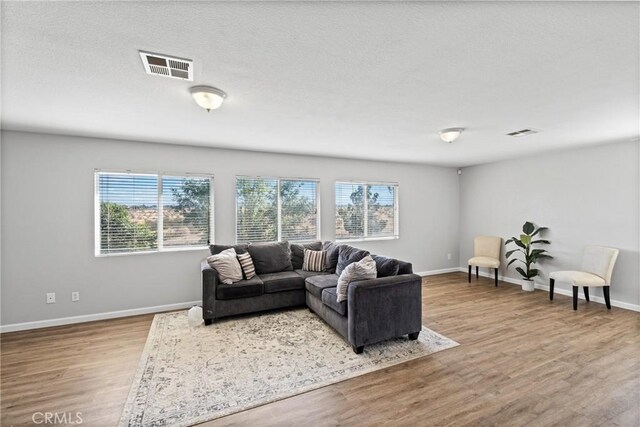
x=313, y=260
x=247, y=265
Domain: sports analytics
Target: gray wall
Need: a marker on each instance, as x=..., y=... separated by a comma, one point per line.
x=585, y=196
x=48, y=219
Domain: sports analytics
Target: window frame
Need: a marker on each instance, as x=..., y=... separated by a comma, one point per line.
x=279, y=205
x=160, y=223
x=396, y=211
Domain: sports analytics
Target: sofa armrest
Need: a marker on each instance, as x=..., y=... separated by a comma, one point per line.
x=209, y=285
x=384, y=308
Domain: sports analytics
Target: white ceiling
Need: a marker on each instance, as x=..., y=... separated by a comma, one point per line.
x=356, y=80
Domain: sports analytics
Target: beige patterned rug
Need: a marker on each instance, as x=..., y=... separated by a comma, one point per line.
x=191, y=375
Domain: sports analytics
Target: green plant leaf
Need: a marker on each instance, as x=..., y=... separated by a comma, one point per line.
x=541, y=241
x=519, y=243
x=526, y=239
x=512, y=261
x=508, y=241
x=532, y=273
x=528, y=227
x=521, y=271
x=544, y=256
x=508, y=254
x=539, y=230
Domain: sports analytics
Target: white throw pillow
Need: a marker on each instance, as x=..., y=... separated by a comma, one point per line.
x=361, y=270
x=227, y=265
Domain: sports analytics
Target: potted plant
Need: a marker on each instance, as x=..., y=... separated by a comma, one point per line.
x=530, y=255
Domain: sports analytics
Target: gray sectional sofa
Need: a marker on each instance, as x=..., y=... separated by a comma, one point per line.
x=386, y=307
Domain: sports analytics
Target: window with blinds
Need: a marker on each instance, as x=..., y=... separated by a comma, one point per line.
x=139, y=212
x=366, y=210
x=273, y=209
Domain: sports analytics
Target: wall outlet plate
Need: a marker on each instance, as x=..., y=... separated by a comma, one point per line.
x=51, y=297
x=75, y=296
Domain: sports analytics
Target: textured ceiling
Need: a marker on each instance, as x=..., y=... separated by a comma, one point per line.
x=360, y=80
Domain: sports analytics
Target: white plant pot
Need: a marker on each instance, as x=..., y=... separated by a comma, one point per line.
x=528, y=285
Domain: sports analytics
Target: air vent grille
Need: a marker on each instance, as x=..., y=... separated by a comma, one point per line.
x=523, y=132
x=158, y=64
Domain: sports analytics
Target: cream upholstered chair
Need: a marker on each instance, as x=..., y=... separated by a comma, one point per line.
x=596, y=270
x=486, y=253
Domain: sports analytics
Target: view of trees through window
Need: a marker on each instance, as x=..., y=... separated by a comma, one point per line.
x=130, y=214
x=357, y=217
x=269, y=209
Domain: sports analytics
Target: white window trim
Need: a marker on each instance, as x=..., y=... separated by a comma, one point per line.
x=159, y=225
x=279, y=205
x=396, y=212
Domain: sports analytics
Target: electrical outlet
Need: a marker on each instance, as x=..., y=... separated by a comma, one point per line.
x=75, y=296
x=448, y=256
x=51, y=297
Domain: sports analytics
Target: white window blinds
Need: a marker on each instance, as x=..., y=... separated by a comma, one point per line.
x=272, y=209
x=139, y=212
x=366, y=210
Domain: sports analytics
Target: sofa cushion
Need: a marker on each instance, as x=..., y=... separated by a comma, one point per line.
x=227, y=265
x=216, y=249
x=386, y=266
x=405, y=267
x=333, y=250
x=271, y=257
x=297, y=252
x=248, y=270
x=306, y=274
x=330, y=299
x=316, y=284
x=281, y=281
x=314, y=260
x=361, y=270
x=349, y=255
x=241, y=289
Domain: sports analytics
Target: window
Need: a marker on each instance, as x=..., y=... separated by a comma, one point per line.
x=273, y=209
x=366, y=211
x=140, y=212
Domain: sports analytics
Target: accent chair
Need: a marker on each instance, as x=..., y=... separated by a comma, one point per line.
x=486, y=254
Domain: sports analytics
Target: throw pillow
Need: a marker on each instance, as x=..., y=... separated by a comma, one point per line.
x=361, y=270
x=313, y=260
x=297, y=252
x=271, y=257
x=247, y=265
x=332, y=250
x=386, y=266
x=239, y=248
x=348, y=255
x=227, y=265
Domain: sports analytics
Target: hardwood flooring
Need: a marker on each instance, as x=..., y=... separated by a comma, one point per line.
x=523, y=360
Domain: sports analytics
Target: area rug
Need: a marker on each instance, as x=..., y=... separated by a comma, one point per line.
x=191, y=375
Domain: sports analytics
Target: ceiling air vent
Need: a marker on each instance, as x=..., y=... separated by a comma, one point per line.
x=523, y=132
x=158, y=64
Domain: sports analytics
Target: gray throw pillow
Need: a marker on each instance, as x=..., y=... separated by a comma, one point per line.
x=271, y=257
x=227, y=265
x=361, y=270
x=240, y=248
x=386, y=266
x=331, y=260
x=348, y=255
x=297, y=252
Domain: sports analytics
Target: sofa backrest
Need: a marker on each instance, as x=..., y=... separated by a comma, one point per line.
x=271, y=257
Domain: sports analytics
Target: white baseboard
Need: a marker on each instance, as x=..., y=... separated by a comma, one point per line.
x=559, y=291
x=434, y=272
x=93, y=317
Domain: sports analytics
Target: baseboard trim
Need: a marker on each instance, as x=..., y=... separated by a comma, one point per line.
x=559, y=291
x=14, y=327
x=434, y=272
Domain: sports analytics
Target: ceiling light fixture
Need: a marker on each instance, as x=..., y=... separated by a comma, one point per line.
x=209, y=98
x=450, y=134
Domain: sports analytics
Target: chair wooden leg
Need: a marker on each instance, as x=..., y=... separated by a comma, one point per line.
x=552, y=283
x=607, y=298
x=476, y=271
x=469, y=273
x=575, y=297
x=496, y=273
x=586, y=292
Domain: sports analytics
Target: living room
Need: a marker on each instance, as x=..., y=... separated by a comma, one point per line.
x=401, y=131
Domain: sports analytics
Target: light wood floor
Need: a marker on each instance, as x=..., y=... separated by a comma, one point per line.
x=522, y=361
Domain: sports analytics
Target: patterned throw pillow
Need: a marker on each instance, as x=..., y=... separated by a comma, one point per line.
x=227, y=265
x=314, y=260
x=361, y=270
x=247, y=265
